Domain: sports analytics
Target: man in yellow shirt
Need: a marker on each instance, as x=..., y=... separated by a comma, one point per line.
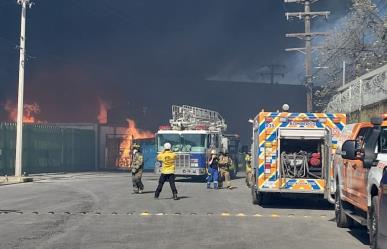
x=167, y=159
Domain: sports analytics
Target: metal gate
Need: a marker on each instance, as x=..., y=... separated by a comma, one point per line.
x=118, y=155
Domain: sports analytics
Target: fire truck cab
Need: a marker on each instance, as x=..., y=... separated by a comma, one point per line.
x=193, y=132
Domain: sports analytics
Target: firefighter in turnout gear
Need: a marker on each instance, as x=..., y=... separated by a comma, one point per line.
x=136, y=166
x=249, y=170
x=225, y=162
x=167, y=159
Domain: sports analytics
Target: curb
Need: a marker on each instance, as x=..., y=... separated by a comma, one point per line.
x=14, y=180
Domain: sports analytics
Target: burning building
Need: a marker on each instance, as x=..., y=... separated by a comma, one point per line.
x=126, y=146
x=31, y=111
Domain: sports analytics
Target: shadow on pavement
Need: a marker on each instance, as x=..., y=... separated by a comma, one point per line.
x=171, y=198
x=147, y=192
x=191, y=180
x=361, y=234
x=358, y=231
x=6, y=211
x=295, y=202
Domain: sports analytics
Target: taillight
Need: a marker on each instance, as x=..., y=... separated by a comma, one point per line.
x=267, y=168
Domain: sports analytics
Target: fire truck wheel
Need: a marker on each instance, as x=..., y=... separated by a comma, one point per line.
x=342, y=220
x=373, y=222
x=257, y=196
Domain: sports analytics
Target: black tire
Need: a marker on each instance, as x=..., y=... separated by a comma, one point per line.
x=342, y=220
x=257, y=197
x=254, y=196
x=374, y=222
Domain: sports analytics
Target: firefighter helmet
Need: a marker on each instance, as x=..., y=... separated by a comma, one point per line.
x=167, y=146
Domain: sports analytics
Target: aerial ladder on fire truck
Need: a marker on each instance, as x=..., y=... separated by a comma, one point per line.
x=190, y=118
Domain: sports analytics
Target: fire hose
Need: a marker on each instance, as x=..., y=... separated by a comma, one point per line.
x=295, y=165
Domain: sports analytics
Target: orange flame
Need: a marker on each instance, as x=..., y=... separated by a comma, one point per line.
x=29, y=115
x=132, y=133
x=103, y=111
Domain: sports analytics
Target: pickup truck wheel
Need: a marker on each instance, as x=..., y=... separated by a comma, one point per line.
x=342, y=220
x=374, y=222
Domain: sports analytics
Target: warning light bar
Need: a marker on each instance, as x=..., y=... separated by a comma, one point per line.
x=284, y=120
x=322, y=120
x=164, y=127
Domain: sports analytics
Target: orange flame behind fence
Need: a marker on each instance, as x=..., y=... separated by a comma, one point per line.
x=132, y=133
x=29, y=115
x=103, y=111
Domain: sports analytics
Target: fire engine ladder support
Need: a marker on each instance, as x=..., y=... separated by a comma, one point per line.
x=189, y=117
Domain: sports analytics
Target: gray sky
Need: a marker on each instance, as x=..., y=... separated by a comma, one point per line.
x=147, y=53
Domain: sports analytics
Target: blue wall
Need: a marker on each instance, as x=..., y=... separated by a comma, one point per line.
x=149, y=152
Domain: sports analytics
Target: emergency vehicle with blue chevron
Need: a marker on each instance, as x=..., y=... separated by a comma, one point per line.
x=292, y=153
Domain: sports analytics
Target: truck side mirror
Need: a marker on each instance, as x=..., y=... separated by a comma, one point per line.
x=377, y=121
x=371, y=141
x=348, y=150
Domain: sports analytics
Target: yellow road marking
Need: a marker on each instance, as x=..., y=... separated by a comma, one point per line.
x=220, y=214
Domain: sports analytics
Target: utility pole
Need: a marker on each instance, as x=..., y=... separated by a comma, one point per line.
x=308, y=35
x=273, y=72
x=20, y=103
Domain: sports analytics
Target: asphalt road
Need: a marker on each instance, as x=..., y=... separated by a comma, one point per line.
x=98, y=210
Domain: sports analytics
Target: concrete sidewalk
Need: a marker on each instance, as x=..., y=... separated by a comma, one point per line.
x=7, y=180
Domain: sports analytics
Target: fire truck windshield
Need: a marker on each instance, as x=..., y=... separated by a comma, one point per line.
x=183, y=142
x=194, y=142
